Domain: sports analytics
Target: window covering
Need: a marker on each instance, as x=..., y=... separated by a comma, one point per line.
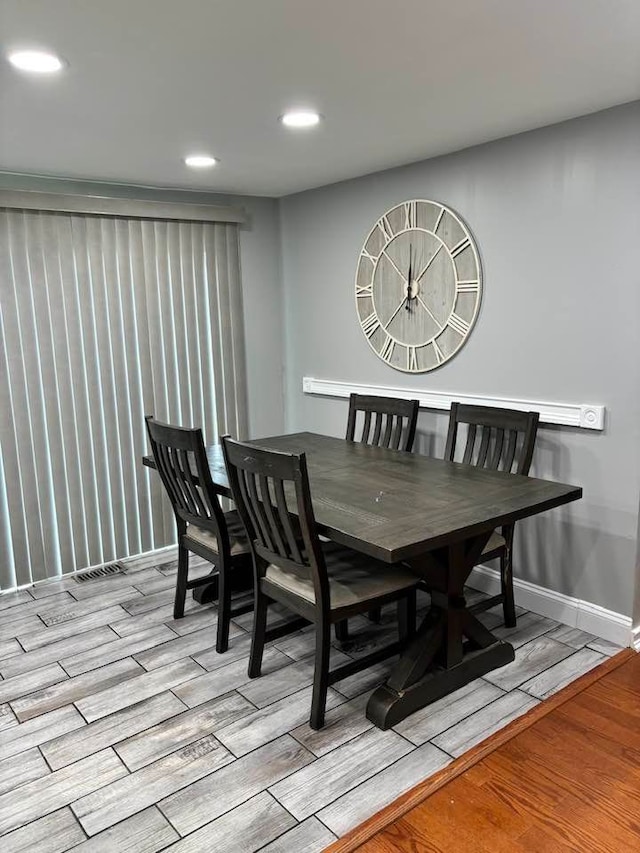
x=104, y=319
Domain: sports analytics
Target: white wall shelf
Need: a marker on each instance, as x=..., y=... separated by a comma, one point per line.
x=582, y=415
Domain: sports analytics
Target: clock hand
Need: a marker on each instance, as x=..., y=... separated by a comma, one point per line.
x=408, y=305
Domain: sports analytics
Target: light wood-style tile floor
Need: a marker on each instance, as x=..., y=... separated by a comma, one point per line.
x=123, y=729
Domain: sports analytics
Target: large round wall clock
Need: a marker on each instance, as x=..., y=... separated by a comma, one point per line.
x=418, y=285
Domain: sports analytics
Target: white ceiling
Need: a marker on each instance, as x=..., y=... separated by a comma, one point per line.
x=397, y=81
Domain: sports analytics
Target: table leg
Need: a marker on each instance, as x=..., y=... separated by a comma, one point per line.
x=241, y=581
x=452, y=647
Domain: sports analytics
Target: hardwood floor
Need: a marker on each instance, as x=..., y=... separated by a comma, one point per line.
x=567, y=780
x=122, y=729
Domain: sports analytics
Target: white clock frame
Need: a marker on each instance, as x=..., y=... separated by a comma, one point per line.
x=460, y=326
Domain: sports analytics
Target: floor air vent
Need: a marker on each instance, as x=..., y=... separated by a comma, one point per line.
x=103, y=571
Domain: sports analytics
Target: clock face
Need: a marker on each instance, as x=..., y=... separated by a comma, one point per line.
x=418, y=285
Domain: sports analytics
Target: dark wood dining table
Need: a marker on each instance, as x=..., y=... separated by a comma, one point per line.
x=437, y=516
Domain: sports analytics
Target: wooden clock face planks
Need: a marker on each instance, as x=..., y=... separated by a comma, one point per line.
x=418, y=285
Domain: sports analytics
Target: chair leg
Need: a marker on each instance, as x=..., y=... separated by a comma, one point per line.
x=259, y=633
x=375, y=614
x=342, y=631
x=320, y=674
x=506, y=578
x=181, y=582
x=407, y=616
x=224, y=611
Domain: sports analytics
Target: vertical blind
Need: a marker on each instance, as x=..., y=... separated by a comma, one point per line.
x=104, y=320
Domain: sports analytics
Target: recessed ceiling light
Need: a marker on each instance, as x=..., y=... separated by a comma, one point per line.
x=300, y=118
x=36, y=61
x=200, y=161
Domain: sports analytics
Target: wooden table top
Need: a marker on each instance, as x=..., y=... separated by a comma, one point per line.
x=395, y=505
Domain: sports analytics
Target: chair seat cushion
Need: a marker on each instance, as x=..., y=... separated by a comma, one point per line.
x=495, y=542
x=353, y=577
x=238, y=541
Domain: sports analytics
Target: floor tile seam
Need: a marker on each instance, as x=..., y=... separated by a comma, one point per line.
x=279, y=699
x=137, y=675
x=284, y=808
x=545, y=669
x=337, y=796
x=114, y=744
x=36, y=689
x=18, y=603
x=7, y=618
x=318, y=758
x=282, y=668
x=393, y=763
x=174, y=751
x=503, y=693
x=70, y=622
x=82, y=674
x=156, y=803
x=227, y=811
x=191, y=656
x=468, y=716
x=196, y=738
x=55, y=660
x=69, y=805
x=572, y=627
x=522, y=687
x=316, y=815
x=290, y=731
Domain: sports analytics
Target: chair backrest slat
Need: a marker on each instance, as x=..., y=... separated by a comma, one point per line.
x=519, y=428
x=285, y=520
x=386, y=441
x=366, y=427
x=510, y=452
x=377, y=430
x=394, y=425
x=258, y=507
x=497, y=450
x=270, y=511
x=484, y=446
x=471, y=439
x=397, y=434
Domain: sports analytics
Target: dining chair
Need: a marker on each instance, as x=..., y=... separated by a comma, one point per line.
x=203, y=527
x=500, y=440
x=394, y=421
x=394, y=427
x=323, y=582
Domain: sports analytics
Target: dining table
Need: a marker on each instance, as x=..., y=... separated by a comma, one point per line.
x=432, y=515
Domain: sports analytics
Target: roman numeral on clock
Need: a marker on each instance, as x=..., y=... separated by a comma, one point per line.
x=410, y=214
x=385, y=226
x=438, y=352
x=364, y=290
x=370, y=324
x=471, y=285
x=412, y=358
x=458, y=324
x=387, y=348
x=460, y=247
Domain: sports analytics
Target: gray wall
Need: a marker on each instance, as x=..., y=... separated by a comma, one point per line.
x=261, y=274
x=556, y=213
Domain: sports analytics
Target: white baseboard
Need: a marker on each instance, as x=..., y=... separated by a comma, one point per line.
x=635, y=642
x=563, y=608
